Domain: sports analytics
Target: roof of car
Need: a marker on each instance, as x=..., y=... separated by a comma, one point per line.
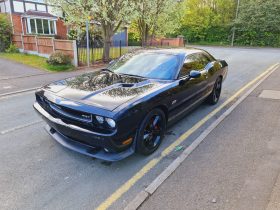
x=176, y=51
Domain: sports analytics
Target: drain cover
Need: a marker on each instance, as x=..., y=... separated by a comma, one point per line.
x=271, y=94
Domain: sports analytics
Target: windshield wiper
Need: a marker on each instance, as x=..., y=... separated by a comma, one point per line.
x=133, y=75
x=105, y=69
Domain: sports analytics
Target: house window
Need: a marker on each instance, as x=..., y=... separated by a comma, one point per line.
x=41, y=26
x=41, y=7
x=29, y=6
x=39, y=1
x=18, y=6
x=32, y=26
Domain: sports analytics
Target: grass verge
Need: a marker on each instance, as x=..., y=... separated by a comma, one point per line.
x=35, y=61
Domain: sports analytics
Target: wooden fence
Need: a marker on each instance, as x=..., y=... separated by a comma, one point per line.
x=44, y=46
x=171, y=42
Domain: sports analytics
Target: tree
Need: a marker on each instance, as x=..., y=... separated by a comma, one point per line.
x=207, y=20
x=258, y=23
x=111, y=14
x=5, y=32
x=151, y=16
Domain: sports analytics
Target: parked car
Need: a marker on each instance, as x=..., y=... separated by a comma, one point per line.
x=125, y=108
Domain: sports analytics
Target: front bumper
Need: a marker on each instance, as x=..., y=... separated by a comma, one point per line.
x=70, y=135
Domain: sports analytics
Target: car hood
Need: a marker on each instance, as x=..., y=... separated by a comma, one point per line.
x=103, y=89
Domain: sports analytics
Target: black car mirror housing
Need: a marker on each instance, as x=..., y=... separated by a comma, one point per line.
x=195, y=74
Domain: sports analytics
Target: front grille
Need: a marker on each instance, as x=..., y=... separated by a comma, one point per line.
x=70, y=113
x=70, y=116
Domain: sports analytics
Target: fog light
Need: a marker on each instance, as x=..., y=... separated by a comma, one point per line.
x=100, y=119
x=111, y=122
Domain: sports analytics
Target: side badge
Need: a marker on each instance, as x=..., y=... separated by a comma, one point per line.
x=174, y=102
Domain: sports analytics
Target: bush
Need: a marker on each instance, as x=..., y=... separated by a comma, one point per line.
x=5, y=32
x=59, y=58
x=12, y=49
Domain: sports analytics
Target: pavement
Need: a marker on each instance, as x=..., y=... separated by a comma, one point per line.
x=238, y=164
x=37, y=173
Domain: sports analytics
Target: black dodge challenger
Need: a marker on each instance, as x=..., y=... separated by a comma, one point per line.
x=125, y=108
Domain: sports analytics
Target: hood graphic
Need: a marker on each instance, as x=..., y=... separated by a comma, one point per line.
x=102, y=88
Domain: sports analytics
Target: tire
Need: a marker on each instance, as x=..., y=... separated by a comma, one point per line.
x=214, y=97
x=151, y=132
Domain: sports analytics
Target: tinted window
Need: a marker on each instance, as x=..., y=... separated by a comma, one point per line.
x=189, y=64
x=150, y=65
x=194, y=62
x=203, y=59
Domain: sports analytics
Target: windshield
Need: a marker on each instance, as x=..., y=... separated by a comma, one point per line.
x=149, y=65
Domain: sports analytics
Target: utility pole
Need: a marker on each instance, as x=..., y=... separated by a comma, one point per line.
x=236, y=16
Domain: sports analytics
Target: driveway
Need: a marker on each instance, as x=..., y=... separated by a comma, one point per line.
x=37, y=173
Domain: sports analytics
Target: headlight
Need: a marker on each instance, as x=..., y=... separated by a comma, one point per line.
x=99, y=119
x=111, y=122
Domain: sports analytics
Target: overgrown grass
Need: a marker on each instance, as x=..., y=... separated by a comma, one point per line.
x=35, y=61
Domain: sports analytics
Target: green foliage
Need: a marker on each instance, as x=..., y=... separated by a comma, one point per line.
x=12, y=49
x=158, y=17
x=258, y=23
x=65, y=67
x=208, y=20
x=5, y=32
x=59, y=58
x=213, y=21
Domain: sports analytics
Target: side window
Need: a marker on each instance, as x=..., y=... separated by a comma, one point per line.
x=196, y=61
x=189, y=64
x=203, y=59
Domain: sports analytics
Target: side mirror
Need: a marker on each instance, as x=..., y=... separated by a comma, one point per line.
x=195, y=74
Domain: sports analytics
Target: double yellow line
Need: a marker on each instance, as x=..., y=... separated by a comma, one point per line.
x=152, y=163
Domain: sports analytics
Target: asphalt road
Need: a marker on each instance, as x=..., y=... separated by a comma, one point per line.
x=37, y=173
x=237, y=165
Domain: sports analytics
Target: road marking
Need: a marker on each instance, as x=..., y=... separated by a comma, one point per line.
x=152, y=163
x=26, y=76
x=18, y=92
x=20, y=127
x=144, y=194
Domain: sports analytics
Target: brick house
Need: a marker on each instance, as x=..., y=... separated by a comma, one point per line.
x=34, y=17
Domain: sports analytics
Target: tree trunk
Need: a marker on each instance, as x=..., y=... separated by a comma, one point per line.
x=107, y=35
x=142, y=31
x=143, y=40
x=146, y=33
x=108, y=32
x=106, y=49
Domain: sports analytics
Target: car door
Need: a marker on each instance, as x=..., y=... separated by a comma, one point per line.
x=189, y=92
x=212, y=69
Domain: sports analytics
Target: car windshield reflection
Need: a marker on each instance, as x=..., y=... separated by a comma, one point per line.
x=148, y=65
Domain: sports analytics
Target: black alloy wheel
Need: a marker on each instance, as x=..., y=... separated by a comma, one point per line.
x=214, y=97
x=151, y=132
